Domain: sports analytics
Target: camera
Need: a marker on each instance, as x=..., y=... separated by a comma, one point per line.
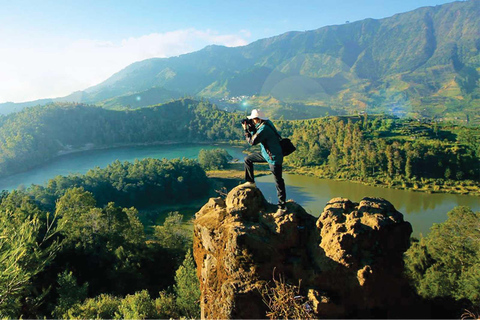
x=250, y=125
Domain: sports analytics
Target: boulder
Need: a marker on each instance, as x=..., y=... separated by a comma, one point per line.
x=348, y=262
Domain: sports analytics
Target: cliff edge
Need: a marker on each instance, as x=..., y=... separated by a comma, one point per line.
x=348, y=261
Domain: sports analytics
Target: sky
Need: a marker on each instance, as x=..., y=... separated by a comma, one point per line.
x=51, y=48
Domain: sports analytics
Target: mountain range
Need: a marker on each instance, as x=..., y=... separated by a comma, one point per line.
x=423, y=63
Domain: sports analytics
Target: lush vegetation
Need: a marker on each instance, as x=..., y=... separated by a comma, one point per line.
x=76, y=247
x=446, y=263
x=385, y=150
x=142, y=183
x=36, y=135
x=214, y=159
x=67, y=251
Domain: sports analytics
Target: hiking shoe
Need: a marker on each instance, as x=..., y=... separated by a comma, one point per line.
x=248, y=184
x=280, y=212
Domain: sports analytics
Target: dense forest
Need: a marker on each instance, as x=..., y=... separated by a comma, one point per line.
x=446, y=263
x=140, y=184
x=382, y=149
x=68, y=251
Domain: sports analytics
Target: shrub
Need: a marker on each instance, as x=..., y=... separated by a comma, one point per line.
x=103, y=306
x=214, y=159
x=284, y=301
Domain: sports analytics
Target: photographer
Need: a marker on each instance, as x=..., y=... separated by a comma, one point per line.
x=258, y=129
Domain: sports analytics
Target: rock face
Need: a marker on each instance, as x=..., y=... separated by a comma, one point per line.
x=349, y=260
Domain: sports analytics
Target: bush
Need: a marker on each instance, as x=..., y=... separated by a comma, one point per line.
x=214, y=159
x=173, y=234
x=137, y=306
x=103, y=306
x=28, y=244
x=134, y=306
x=284, y=301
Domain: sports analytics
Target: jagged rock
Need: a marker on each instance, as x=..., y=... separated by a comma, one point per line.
x=349, y=260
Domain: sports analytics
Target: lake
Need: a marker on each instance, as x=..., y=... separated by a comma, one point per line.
x=420, y=209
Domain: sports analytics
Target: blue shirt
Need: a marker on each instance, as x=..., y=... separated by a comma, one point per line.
x=268, y=137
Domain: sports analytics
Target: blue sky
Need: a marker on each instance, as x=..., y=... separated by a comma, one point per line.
x=52, y=48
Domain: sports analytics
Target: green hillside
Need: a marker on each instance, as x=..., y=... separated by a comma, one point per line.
x=422, y=63
x=148, y=97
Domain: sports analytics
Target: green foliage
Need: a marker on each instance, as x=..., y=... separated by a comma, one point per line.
x=173, y=234
x=446, y=262
x=83, y=224
x=38, y=134
x=104, y=306
x=387, y=149
x=141, y=183
x=137, y=306
x=166, y=306
x=187, y=288
x=69, y=293
x=27, y=247
x=214, y=159
x=107, y=246
x=134, y=306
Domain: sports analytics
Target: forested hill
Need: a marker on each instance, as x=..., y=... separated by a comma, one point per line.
x=36, y=135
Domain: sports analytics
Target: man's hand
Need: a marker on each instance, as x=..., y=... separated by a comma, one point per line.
x=244, y=126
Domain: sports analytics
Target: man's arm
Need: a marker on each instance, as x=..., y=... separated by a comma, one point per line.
x=256, y=138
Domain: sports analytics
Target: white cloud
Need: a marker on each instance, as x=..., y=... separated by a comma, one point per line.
x=29, y=73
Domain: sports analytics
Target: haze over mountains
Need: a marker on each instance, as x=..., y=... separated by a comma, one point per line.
x=421, y=63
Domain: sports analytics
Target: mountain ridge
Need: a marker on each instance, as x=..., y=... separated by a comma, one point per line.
x=425, y=63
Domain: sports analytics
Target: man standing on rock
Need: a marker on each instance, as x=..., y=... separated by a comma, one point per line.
x=267, y=135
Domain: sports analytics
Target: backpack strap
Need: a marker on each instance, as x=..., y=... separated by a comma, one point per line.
x=274, y=130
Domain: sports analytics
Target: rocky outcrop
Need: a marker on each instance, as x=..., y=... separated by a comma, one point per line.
x=349, y=260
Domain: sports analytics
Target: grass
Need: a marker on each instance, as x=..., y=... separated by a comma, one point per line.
x=237, y=171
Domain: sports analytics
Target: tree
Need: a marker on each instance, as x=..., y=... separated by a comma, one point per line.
x=390, y=162
x=333, y=159
x=104, y=306
x=187, y=288
x=173, y=234
x=446, y=262
x=28, y=245
x=69, y=293
x=214, y=159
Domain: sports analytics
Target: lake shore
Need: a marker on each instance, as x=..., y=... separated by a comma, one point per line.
x=90, y=147
x=236, y=171
x=422, y=185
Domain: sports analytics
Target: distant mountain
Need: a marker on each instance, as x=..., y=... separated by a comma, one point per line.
x=152, y=96
x=421, y=63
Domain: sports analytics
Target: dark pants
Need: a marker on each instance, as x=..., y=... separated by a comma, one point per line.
x=276, y=169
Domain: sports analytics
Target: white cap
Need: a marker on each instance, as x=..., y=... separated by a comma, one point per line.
x=256, y=113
